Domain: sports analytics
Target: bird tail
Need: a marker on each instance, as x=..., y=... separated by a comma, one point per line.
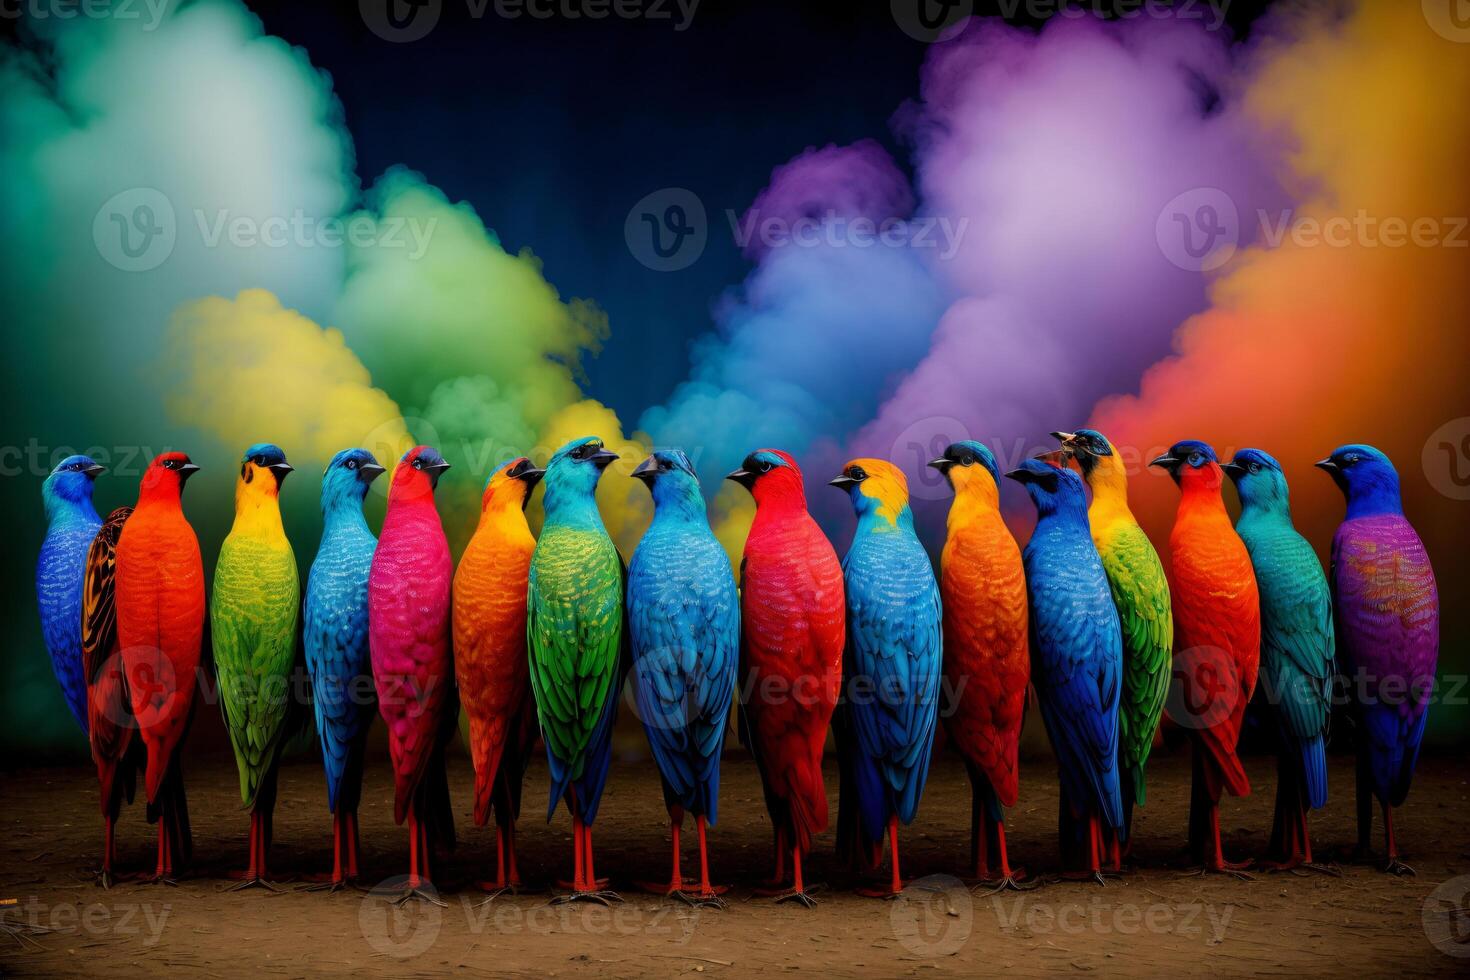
x=1223, y=769
x=1314, y=771
x=170, y=803
x=1133, y=784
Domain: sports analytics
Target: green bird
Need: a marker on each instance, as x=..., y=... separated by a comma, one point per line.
x=1141, y=593
x=253, y=621
x=575, y=638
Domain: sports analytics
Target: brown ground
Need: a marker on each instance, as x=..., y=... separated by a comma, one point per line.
x=1153, y=922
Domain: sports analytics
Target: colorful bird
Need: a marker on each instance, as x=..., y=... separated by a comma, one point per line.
x=409, y=636
x=987, y=664
x=574, y=630
x=72, y=523
x=893, y=657
x=1296, y=651
x=160, y=629
x=1387, y=608
x=1077, y=662
x=793, y=629
x=110, y=723
x=253, y=618
x=1141, y=594
x=490, y=663
x=1217, y=640
x=684, y=631
x=335, y=617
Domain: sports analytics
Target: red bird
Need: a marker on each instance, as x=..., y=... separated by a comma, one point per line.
x=160, y=629
x=1217, y=640
x=109, y=712
x=793, y=629
x=408, y=636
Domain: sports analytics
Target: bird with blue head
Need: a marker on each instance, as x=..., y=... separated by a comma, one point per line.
x=336, y=645
x=1297, y=648
x=684, y=633
x=1387, y=607
x=1076, y=663
x=71, y=524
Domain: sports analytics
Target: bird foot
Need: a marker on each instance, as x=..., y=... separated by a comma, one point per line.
x=1096, y=877
x=424, y=894
x=599, y=894
x=329, y=883
x=1015, y=881
x=158, y=879
x=793, y=895
x=1399, y=869
x=22, y=932
x=252, y=881
x=704, y=899
x=1230, y=868
x=1298, y=867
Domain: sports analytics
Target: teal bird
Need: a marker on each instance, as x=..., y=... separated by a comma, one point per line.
x=1296, y=650
x=253, y=618
x=574, y=633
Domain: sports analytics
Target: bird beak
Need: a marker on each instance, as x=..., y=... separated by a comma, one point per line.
x=842, y=482
x=1165, y=462
x=942, y=464
x=646, y=471
x=1326, y=464
x=602, y=458
x=1234, y=469
x=370, y=472
x=280, y=471
x=1056, y=457
x=530, y=476
x=1064, y=438
x=743, y=477
x=94, y=469
x=1021, y=475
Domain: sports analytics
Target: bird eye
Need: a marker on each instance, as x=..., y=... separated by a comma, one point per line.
x=418, y=464
x=1196, y=459
x=1351, y=458
x=665, y=465
x=857, y=473
x=1254, y=467
x=968, y=459
x=352, y=464
x=764, y=466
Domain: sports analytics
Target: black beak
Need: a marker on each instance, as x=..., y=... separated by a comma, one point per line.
x=602, y=458
x=646, y=471
x=1056, y=457
x=94, y=469
x=743, y=477
x=280, y=471
x=530, y=476
x=1064, y=437
x=368, y=472
x=842, y=482
x=1165, y=462
x=1022, y=475
x=1234, y=469
x=942, y=464
x=187, y=470
x=434, y=471
x=1328, y=465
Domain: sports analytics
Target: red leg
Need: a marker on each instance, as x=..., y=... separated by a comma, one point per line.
x=353, y=840
x=1394, y=865
x=706, y=890
x=980, y=843
x=513, y=873
x=675, y=884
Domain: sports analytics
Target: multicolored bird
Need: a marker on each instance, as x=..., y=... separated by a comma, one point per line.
x=1296, y=651
x=409, y=636
x=110, y=723
x=1141, y=594
x=987, y=664
x=253, y=620
x=574, y=630
x=1387, y=608
x=490, y=663
x=160, y=630
x=1076, y=662
x=684, y=632
x=72, y=523
x=893, y=657
x=793, y=630
x=335, y=637
x=1217, y=640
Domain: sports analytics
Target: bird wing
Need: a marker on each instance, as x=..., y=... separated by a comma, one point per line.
x=1140, y=593
x=99, y=595
x=1296, y=631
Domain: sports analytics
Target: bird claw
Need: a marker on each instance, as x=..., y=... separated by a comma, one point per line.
x=1091, y=877
x=411, y=893
x=1015, y=881
x=1230, y=868
x=600, y=895
x=792, y=895
x=1399, y=869
x=254, y=882
x=702, y=900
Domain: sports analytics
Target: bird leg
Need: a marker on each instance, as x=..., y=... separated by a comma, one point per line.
x=708, y=895
x=586, y=887
x=1008, y=877
x=1095, y=848
x=418, y=884
x=343, y=833
x=773, y=884
x=895, y=884
x=255, y=875
x=1394, y=865
x=1214, y=858
x=675, y=884
x=109, y=852
x=163, y=873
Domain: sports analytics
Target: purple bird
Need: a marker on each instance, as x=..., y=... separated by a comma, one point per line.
x=1387, y=610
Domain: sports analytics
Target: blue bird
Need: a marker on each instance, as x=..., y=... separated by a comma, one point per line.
x=336, y=641
x=1296, y=650
x=892, y=666
x=1076, y=662
x=684, y=629
x=72, y=523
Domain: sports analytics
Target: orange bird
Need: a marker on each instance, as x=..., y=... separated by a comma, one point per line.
x=160, y=628
x=1217, y=640
x=490, y=665
x=987, y=653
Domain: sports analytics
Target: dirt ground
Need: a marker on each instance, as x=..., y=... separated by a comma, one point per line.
x=1153, y=921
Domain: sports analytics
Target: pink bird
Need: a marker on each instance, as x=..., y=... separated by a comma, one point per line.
x=408, y=636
